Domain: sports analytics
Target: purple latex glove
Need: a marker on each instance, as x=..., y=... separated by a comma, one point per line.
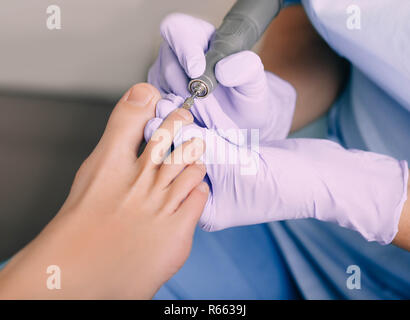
x=297, y=178
x=246, y=97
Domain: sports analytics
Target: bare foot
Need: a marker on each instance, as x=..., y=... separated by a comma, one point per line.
x=128, y=222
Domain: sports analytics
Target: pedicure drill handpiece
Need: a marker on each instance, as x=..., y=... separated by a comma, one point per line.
x=240, y=30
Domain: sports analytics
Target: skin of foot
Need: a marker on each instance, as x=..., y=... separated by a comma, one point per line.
x=128, y=222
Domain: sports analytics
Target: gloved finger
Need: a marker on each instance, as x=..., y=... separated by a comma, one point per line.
x=244, y=72
x=151, y=126
x=168, y=104
x=167, y=74
x=188, y=37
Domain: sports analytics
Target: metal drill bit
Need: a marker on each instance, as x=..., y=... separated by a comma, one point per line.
x=189, y=102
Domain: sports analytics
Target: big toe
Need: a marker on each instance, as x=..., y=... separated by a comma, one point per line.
x=125, y=128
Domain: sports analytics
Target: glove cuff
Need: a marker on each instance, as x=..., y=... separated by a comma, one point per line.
x=393, y=222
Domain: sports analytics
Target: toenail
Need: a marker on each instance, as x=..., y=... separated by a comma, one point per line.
x=198, y=144
x=185, y=114
x=140, y=96
x=203, y=187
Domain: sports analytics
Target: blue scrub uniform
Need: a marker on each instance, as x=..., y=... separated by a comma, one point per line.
x=238, y=263
x=372, y=114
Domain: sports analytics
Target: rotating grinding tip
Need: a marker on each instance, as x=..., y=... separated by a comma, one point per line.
x=189, y=102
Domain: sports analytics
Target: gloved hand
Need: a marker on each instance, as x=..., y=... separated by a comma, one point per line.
x=296, y=178
x=246, y=97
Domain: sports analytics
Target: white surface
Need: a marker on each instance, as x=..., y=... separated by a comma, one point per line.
x=103, y=47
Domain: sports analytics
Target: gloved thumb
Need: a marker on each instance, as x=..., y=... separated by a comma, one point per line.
x=244, y=72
